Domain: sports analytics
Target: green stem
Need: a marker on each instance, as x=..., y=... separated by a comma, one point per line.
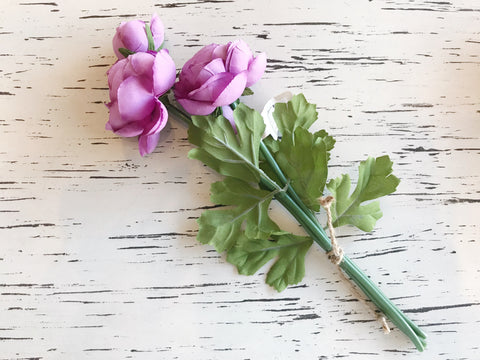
x=284, y=181
x=177, y=112
x=357, y=276
x=384, y=303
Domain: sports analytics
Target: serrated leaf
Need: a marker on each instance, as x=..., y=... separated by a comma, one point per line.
x=303, y=158
x=229, y=153
x=289, y=268
x=249, y=217
x=329, y=141
x=249, y=255
x=375, y=179
x=295, y=113
x=271, y=144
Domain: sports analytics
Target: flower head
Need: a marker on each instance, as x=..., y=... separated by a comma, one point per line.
x=135, y=84
x=217, y=75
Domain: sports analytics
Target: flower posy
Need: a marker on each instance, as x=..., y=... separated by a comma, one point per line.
x=292, y=169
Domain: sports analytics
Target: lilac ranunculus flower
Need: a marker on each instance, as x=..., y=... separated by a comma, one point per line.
x=132, y=35
x=135, y=85
x=216, y=76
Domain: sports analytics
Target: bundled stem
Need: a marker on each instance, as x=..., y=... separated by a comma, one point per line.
x=311, y=225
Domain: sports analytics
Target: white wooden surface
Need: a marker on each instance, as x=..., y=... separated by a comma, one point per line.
x=98, y=257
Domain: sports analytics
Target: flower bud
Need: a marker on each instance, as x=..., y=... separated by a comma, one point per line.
x=131, y=35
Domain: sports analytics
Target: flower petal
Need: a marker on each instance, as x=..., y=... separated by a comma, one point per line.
x=204, y=55
x=135, y=99
x=130, y=130
x=140, y=64
x=148, y=143
x=115, y=77
x=118, y=125
x=194, y=107
x=220, y=52
x=221, y=89
x=256, y=69
x=227, y=112
x=115, y=121
x=164, y=73
x=239, y=56
x=158, y=32
x=232, y=91
x=117, y=43
x=157, y=121
x=214, y=67
x=181, y=89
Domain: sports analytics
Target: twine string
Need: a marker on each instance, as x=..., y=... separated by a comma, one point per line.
x=335, y=255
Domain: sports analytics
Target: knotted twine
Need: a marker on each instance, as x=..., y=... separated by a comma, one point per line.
x=335, y=255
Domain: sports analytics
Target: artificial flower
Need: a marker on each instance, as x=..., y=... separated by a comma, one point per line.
x=136, y=83
x=216, y=76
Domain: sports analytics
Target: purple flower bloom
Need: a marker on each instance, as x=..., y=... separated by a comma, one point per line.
x=217, y=75
x=135, y=84
x=131, y=35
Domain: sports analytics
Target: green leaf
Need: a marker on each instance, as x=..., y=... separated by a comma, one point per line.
x=289, y=267
x=329, y=141
x=251, y=204
x=295, y=113
x=217, y=112
x=249, y=255
x=247, y=92
x=248, y=216
x=303, y=158
x=375, y=179
x=229, y=154
x=125, y=52
x=271, y=144
x=160, y=47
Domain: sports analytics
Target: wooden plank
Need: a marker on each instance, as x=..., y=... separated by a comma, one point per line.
x=98, y=255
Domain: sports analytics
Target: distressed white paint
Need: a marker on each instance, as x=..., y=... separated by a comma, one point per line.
x=98, y=257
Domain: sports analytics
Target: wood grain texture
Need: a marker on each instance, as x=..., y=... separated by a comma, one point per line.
x=98, y=257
